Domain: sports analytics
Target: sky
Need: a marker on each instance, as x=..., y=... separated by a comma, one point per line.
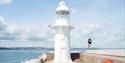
x=24, y=23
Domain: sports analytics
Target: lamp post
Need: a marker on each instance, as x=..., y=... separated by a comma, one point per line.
x=89, y=42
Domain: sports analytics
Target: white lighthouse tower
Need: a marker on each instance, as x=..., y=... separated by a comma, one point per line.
x=62, y=27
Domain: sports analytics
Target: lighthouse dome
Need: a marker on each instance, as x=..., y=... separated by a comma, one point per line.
x=62, y=8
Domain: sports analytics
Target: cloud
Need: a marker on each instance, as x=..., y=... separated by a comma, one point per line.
x=7, y=32
x=110, y=39
x=89, y=28
x=39, y=35
x=13, y=32
x=11, y=28
x=95, y=30
x=100, y=35
x=2, y=20
x=83, y=31
x=5, y=1
x=2, y=24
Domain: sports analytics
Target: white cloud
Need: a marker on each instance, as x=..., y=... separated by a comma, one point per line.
x=88, y=28
x=11, y=28
x=83, y=31
x=5, y=1
x=99, y=34
x=2, y=24
x=79, y=35
x=2, y=20
x=7, y=32
x=18, y=37
x=110, y=39
x=13, y=32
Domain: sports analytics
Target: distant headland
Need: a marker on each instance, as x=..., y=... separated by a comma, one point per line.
x=47, y=48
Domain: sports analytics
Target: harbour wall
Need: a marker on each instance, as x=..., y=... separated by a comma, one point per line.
x=95, y=56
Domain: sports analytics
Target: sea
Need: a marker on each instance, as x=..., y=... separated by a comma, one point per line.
x=18, y=56
x=21, y=55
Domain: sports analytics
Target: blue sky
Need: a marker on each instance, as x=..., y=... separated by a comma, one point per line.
x=24, y=23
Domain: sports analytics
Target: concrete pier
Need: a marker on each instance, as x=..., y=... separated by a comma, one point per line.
x=99, y=56
x=95, y=56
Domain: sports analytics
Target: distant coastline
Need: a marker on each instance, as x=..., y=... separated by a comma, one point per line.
x=24, y=48
x=44, y=48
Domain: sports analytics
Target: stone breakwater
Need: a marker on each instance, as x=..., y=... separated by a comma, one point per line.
x=100, y=56
x=95, y=56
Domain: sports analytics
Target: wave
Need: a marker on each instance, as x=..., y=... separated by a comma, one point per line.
x=36, y=60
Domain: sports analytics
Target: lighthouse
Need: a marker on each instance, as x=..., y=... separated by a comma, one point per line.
x=62, y=28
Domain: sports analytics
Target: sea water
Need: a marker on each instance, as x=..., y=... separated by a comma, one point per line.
x=17, y=56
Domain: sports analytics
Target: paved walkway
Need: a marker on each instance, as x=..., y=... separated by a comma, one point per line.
x=120, y=53
x=111, y=54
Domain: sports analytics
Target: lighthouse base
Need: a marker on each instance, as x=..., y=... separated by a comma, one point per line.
x=69, y=61
x=64, y=62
